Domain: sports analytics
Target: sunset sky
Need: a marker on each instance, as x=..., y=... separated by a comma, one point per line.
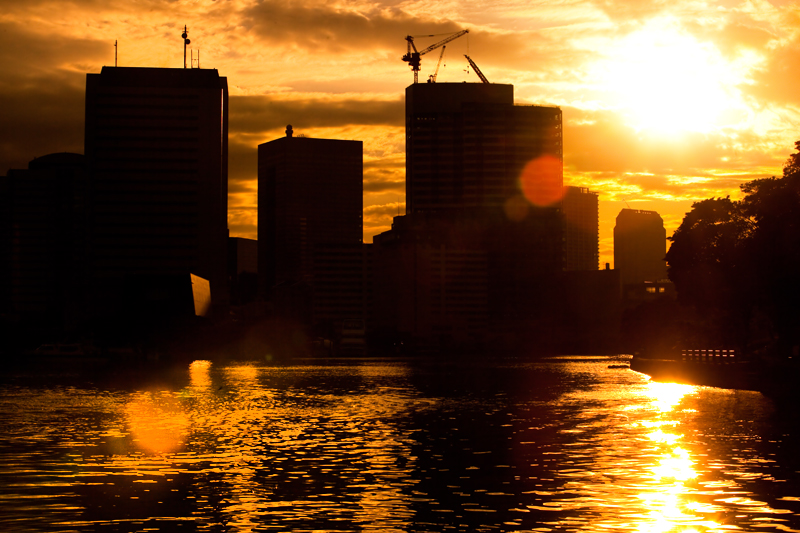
x=664, y=102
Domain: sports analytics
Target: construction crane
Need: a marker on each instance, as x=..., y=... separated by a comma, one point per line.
x=413, y=58
x=476, y=69
x=432, y=77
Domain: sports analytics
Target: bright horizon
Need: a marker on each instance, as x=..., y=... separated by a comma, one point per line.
x=663, y=104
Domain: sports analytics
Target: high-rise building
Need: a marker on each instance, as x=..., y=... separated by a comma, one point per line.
x=640, y=242
x=157, y=158
x=464, y=280
x=310, y=223
x=483, y=230
x=581, y=229
x=468, y=145
x=42, y=242
x=242, y=269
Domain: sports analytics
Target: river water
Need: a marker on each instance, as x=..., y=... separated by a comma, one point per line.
x=561, y=444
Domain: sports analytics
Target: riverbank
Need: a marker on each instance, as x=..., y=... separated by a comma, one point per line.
x=773, y=378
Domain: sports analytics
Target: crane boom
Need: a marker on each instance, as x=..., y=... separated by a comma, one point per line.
x=413, y=58
x=432, y=77
x=476, y=69
x=444, y=41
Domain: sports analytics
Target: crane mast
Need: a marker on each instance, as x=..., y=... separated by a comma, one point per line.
x=432, y=77
x=476, y=69
x=413, y=57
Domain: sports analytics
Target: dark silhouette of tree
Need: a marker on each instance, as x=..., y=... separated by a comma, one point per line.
x=774, y=248
x=739, y=261
x=709, y=267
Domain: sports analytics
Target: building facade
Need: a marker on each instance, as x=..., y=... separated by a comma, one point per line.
x=580, y=208
x=310, y=228
x=242, y=270
x=640, y=242
x=463, y=281
x=156, y=147
x=468, y=145
x=467, y=265
x=42, y=241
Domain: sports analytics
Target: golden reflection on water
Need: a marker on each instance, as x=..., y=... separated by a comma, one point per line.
x=665, y=396
x=378, y=447
x=157, y=422
x=667, y=497
x=200, y=375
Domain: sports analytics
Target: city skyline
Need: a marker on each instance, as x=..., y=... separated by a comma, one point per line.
x=663, y=105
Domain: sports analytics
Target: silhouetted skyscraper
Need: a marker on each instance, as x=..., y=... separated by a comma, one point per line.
x=467, y=145
x=581, y=227
x=639, y=246
x=42, y=245
x=310, y=222
x=157, y=156
x=483, y=231
x=242, y=269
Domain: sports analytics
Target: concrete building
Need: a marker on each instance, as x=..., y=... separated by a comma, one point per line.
x=157, y=158
x=483, y=233
x=310, y=225
x=431, y=284
x=640, y=242
x=242, y=270
x=467, y=145
x=464, y=281
x=42, y=243
x=581, y=229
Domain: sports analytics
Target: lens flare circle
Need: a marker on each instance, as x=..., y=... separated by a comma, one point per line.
x=541, y=181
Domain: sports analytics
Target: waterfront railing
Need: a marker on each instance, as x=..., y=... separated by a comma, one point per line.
x=718, y=356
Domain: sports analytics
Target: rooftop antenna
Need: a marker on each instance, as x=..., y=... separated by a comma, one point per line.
x=115, y=52
x=186, y=43
x=195, y=62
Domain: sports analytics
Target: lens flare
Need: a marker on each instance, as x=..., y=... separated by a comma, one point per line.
x=157, y=422
x=541, y=181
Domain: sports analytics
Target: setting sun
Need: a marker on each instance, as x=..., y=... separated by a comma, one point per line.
x=665, y=81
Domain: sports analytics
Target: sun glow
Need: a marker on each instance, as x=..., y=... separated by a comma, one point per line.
x=665, y=81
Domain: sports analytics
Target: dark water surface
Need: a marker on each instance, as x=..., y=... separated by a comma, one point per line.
x=564, y=444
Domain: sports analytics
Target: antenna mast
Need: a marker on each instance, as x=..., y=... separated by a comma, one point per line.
x=186, y=43
x=115, y=52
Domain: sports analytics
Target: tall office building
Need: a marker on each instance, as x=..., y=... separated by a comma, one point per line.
x=42, y=243
x=640, y=242
x=467, y=146
x=157, y=158
x=468, y=261
x=242, y=269
x=581, y=229
x=310, y=223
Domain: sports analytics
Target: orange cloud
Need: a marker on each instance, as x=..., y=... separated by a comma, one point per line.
x=334, y=70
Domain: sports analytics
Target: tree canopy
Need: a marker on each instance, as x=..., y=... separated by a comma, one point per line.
x=738, y=262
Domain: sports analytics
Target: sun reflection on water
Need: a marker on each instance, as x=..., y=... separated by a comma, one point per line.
x=378, y=447
x=665, y=396
x=667, y=497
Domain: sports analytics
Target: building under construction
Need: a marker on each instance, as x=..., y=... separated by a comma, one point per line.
x=467, y=145
x=473, y=261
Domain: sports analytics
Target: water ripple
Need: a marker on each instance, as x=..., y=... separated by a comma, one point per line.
x=556, y=445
